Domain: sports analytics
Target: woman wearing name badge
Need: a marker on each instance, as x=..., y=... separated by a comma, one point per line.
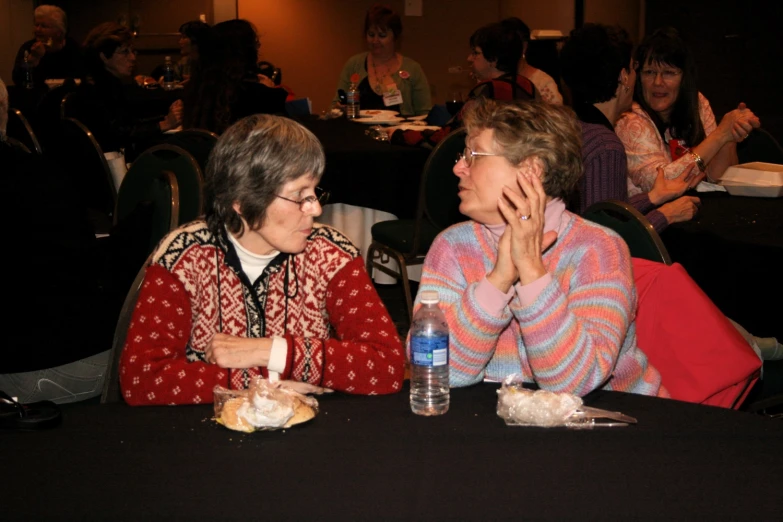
x=671, y=124
x=525, y=285
x=387, y=79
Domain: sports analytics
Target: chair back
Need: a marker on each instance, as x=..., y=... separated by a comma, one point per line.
x=642, y=239
x=198, y=142
x=68, y=105
x=19, y=128
x=760, y=145
x=18, y=145
x=170, y=158
x=439, y=184
x=111, y=385
x=77, y=150
x=148, y=208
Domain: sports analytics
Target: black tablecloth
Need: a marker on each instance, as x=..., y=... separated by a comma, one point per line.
x=367, y=173
x=365, y=458
x=734, y=250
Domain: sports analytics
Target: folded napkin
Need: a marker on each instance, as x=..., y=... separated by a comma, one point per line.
x=413, y=126
x=706, y=186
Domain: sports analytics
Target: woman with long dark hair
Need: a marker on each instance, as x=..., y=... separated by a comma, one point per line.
x=225, y=85
x=671, y=124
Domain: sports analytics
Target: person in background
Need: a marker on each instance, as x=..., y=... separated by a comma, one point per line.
x=494, y=55
x=545, y=84
x=671, y=124
x=259, y=288
x=526, y=286
x=385, y=74
x=52, y=54
x=111, y=104
x=226, y=86
x=63, y=269
x=191, y=35
x=598, y=68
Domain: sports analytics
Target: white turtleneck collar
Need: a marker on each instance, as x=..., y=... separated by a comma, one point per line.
x=253, y=265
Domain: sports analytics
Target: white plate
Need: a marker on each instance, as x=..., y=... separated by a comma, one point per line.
x=420, y=117
x=373, y=113
x=379, y=121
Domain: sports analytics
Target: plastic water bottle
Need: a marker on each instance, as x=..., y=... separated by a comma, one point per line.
x=429, y=353
x=28, y=72
x=352, y=105
x=168, y=74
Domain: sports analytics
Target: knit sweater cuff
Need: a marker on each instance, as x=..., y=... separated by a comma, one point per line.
x=657, y=220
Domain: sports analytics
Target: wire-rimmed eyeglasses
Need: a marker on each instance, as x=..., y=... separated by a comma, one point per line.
x=469, y=154
x=321, y=196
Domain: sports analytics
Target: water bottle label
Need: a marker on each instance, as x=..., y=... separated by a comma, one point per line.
x=430, y=351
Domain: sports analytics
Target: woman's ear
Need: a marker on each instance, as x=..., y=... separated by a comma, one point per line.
x=237, y=208
x=103, y=58
x=532, y=165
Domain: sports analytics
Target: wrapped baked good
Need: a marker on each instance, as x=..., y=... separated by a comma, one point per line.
x=519, y=406
x=264, y=405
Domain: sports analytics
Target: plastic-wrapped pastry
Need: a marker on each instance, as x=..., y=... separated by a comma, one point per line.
x=263, y=406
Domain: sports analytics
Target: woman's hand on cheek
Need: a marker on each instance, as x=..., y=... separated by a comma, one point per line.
x=526, y=224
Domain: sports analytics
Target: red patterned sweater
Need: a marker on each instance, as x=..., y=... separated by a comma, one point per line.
x=339, y=333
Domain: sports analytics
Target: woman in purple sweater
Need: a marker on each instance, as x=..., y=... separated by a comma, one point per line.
x=598, y=69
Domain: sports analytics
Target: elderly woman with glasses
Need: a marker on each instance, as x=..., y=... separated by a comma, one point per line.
x=671, y=124
x=526, y=286
x=258, y=288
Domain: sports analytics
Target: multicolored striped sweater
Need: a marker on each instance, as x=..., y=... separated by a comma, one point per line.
x=577, y=335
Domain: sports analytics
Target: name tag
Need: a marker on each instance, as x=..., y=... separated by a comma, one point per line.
x=392, y=97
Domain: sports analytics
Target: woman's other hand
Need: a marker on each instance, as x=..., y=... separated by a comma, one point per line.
x=229, y=351
x=265, y=80
x=526, y=223
x=681, y=209
x=173, y=118
x=737, y=124
x=667, y=189
x=504, y=274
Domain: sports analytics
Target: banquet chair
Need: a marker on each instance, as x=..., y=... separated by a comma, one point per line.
x=111, y=385
x=80, y=155
x=640, y=236
x=170, y=158
x=20, y=128
x=198, y=142
x=407, y=241
x=68, y=105
x=18, y=145
x=760, y=146
x=148, y=208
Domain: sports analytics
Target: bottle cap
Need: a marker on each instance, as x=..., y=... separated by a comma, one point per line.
x=430, y=297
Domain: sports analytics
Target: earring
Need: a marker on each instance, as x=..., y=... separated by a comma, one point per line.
x=626, y=88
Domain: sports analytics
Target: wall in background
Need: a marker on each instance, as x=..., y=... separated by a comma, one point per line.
x=16, y=27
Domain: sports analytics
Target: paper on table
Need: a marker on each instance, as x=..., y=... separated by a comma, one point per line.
x=117, y=166
x=706, y=186
x=413, y=126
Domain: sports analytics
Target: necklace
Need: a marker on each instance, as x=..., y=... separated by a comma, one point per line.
x=378, y=88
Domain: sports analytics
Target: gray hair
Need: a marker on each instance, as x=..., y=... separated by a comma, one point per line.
x=3, y=107
x=56, y=14
x=250, y=163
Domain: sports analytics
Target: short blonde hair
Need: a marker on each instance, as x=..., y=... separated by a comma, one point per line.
x=56, y=14
x=525, y=129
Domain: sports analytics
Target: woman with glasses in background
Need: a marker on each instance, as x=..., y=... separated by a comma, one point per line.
x=111, y=104
x=671, y=124
x=259, y=288
x=526, y=286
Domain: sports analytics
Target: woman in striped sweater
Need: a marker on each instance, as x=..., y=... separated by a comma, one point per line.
x=527, y=286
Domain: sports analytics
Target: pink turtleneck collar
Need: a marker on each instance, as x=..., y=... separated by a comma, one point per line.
x=553, y=219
